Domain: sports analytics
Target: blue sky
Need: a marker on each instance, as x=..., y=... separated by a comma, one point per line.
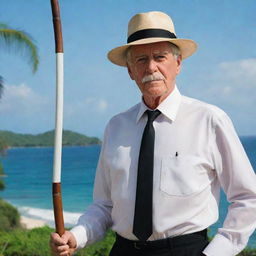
x=222, y=72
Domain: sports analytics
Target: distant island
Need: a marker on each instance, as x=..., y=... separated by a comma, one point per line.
x=69, y=138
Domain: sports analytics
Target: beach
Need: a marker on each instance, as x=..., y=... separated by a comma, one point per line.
x=29, y=223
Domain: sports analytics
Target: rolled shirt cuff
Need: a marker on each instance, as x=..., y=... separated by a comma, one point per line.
x=80, y=235
x=220, y=245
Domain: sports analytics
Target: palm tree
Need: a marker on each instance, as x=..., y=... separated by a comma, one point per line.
x=21, y=42
x=1, y=86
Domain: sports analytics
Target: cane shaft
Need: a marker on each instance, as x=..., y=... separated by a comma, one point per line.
x=56, y=187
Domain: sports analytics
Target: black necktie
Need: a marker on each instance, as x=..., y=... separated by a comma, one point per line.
x=142, y=226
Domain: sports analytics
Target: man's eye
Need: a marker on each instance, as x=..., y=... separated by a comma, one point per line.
x=141, y=60
x=160, y=57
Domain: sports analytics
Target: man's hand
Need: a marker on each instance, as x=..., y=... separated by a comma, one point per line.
x=64, y=245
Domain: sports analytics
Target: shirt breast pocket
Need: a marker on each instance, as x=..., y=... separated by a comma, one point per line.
x=184, y=175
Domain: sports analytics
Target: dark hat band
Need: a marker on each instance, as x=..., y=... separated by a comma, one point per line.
x=147, y=33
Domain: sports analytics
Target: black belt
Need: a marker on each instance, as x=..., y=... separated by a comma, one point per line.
x=164, y=243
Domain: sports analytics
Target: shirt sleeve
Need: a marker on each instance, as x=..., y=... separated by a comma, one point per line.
x=94, y=223
x=238, y=181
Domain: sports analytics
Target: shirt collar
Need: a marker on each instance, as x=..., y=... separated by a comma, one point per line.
x=169, y=107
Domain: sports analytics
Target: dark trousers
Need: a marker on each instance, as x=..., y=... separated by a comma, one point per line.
x=186, y=245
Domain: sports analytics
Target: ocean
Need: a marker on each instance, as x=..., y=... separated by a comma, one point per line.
x=29, y=180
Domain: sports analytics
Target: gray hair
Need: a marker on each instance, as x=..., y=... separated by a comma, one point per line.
x=174, y=48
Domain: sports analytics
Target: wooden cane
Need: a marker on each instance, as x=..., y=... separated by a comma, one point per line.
x=56, y=182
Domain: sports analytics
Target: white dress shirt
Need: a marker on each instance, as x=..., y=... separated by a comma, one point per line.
x=197, y=151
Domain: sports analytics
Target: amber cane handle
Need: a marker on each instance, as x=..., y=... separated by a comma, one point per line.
x=57, y=26
x=58, y=211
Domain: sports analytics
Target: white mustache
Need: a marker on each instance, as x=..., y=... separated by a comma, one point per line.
x=153, y=77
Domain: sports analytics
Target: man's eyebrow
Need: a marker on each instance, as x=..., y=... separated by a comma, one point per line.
x=162, y=52
x=140, y=55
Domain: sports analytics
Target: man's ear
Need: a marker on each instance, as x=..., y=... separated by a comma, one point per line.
x=179, y=62
x=130, y=72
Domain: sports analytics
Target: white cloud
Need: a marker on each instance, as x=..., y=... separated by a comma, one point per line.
x=102, y=105
x=21, y=99
x=88, y=115
x=22, y=109
x=241, y=73
x=232, y=87
x=243, y=66
x=227, y=89
x=232, y=84
x=98, y=106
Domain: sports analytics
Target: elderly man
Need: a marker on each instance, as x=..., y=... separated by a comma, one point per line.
x=163, y=162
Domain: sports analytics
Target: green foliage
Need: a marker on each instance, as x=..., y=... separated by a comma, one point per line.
x=1, y=170
x=1, y=86
x=46, y=139
x=35, y=242
x=2, y=186
x=9, y=216
x=20, y=242
x=248, y=252
x=2, y=150
x=19, y=41
x=3, y=145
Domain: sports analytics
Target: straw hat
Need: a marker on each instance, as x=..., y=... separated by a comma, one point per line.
x=151, y=27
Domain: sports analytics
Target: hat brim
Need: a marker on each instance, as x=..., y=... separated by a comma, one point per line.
x=118, y=54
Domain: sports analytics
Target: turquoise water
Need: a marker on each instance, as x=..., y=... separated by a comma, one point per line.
x=29, y=178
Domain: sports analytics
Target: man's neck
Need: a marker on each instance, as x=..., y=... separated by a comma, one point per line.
x=154, y=102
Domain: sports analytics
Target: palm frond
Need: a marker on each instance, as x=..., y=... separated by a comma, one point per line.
x=1, y=86
x=20, y=42
x=3, y=25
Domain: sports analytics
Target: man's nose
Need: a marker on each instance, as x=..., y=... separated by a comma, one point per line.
x=152, y=66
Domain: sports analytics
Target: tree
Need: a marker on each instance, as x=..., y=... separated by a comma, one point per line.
x=2, y=186
x=3, y=147
x=1, y=86
x=20, y=42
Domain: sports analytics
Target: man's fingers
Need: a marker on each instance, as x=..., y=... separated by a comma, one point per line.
x=67, y=253
x=64, y=245
x=63, y=248
x=64, y=254
x=57, y=240
x=66, y=237
x=58, y=245
x=69, y=238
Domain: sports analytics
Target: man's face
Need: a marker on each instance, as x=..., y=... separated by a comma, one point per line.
x=157, y=59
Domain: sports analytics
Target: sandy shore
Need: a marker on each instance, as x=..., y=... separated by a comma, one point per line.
x=30, y=223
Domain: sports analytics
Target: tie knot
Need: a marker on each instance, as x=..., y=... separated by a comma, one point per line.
x=152, y=115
